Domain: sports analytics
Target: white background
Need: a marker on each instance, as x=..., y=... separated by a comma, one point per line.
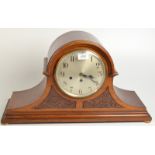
x=78, y=139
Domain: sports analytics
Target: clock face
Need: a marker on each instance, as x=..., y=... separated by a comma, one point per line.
x=80, y=73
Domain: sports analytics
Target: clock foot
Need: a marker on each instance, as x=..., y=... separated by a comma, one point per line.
x=148, y=121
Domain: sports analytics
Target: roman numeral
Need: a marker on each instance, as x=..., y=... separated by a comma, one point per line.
x=71, y=89
x=90, y=88
x=98, y=64
x=65, y=65
x=100, y=73
x=72, y=58
x=80, y=91
x=64, y=82
x=62, y=74
x=91, y=58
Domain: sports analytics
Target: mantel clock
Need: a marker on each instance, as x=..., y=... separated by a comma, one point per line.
x=77, y=87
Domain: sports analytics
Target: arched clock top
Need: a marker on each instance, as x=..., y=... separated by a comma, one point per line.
x=69, y=37
x=76, y=40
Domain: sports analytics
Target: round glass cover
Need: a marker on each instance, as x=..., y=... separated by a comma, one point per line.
x=80, y=73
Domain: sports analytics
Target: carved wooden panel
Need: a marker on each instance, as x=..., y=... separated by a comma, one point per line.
x=103, y=101
x=54, y=100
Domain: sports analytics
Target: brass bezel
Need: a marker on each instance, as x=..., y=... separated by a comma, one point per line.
x=98, y=56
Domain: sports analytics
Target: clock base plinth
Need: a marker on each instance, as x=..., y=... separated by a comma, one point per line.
x=114, y=105
x=74, y=116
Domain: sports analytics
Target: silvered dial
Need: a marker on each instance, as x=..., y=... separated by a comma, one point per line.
x=80, y=73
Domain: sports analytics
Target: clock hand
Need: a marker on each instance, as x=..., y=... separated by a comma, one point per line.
x=94, y=81
x=89, y=77
x=84, y=75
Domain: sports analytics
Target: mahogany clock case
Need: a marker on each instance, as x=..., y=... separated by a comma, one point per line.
x=46, y=103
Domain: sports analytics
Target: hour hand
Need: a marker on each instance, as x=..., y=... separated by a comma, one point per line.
x=86, y=76
x=81, y=74
x=89, y=77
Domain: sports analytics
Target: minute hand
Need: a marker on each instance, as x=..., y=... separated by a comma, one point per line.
x=93, y=80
